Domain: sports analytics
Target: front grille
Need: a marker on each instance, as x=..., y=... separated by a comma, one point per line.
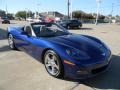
x=98, y=70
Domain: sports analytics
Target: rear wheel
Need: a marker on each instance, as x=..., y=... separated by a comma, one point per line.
x=11, y=42
x=53, y=64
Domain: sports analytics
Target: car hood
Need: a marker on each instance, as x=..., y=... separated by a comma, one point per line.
x=92, y=47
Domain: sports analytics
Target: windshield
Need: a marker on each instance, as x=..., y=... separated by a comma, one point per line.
x=74, y=21
x=48, y=30
x=4, y=18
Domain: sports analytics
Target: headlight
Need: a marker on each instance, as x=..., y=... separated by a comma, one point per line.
x=77, y=54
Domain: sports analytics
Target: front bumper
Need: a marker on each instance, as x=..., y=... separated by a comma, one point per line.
x=88, y=71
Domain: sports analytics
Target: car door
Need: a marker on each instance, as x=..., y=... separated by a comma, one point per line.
x=32, y=45
x=22, y=38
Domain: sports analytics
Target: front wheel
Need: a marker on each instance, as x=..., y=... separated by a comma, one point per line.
x=8, y=22
x=11, y=42
x=53, y=64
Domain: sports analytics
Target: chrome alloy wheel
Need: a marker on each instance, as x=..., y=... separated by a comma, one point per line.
x=52, y=64
x=10, y=41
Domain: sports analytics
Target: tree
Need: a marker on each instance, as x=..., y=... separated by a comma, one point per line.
x=24, y=14
x=82, y=15
x=87, y=17
x=2, y=13
x=21, y=14
x=10, y=16
x=101, y=17
x=30, y=14
x=78, y=14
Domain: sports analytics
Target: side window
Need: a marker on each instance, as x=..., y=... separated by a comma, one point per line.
x=28, y=30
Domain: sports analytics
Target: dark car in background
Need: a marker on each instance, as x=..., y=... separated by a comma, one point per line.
x=71, y=24
x=4, y=20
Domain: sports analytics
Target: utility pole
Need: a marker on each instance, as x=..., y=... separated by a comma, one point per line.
x=112, y=8
x=38, y=7
x=27, y=13
x=68, y=6
x=6, y=9
x=71, y=9
x=98, y=7
x=111, y=13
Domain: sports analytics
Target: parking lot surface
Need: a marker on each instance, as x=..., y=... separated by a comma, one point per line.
x=19, y=71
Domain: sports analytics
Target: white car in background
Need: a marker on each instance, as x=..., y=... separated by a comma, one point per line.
x=29, y=19
x=37, y=20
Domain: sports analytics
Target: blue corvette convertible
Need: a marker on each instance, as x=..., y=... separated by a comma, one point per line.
x=62, y=53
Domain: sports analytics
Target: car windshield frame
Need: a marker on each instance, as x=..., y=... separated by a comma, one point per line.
x=47, y=30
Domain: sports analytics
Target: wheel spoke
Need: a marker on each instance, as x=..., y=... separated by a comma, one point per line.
x=48, y=65
x=56, y=66
x=10, y=40
x=54, y=62
x=53, y=70
x=48, y=58
x=53, y=59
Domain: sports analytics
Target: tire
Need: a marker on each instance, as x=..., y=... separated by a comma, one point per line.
x=8, y=22
x=53, y=64
x=11, y=42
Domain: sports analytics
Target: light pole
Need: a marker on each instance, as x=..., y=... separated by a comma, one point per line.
x=111, y=13
x=27, y=12
x=68, y=6
x=26, y=15
x=71, y=9
x=6, y=9
x=98, y=7
x=38, y=7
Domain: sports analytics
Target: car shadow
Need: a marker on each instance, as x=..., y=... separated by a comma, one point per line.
x=86, y=28
x=81, y=29
x=13, y=23
x=3, y=34
x=4, y=48
x=107, y=80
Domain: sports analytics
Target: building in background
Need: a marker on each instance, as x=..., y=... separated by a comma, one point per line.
x=52, y=15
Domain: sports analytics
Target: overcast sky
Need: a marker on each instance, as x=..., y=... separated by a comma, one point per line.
x=89, y=6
